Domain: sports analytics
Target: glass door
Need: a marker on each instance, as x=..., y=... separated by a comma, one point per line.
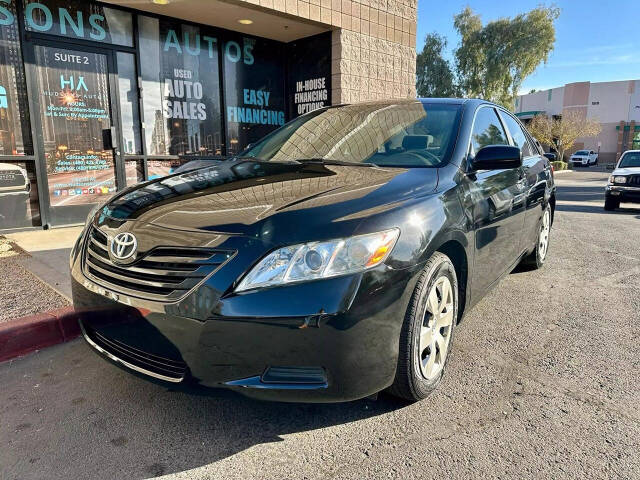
x=75, y=117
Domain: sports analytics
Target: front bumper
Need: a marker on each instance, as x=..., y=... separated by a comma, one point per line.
x=624, y=194
x=328, y=340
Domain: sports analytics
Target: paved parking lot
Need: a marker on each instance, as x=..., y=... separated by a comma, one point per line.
x=543, y=383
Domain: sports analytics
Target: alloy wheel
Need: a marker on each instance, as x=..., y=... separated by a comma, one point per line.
x=543, y=239
x=435, y=333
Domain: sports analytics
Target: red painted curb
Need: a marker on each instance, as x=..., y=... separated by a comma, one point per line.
x=24, y=335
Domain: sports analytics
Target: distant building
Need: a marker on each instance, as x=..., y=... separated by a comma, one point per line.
x=616, y=105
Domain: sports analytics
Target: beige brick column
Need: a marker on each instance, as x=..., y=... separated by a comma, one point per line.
x=374, y=55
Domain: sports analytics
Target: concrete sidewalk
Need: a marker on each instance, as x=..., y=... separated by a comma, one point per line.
x=49, y=255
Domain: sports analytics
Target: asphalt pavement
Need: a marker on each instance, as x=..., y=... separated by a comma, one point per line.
x=542, y=383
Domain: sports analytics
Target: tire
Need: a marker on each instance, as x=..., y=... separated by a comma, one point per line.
x=610, y=203
x=424, y=336
x=536, y=259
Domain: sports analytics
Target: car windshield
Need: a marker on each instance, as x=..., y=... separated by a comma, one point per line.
x=582, y=152
x=630, y=160
x=402, y=134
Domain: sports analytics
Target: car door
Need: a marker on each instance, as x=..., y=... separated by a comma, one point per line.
x=536, y=174
x=498, y=205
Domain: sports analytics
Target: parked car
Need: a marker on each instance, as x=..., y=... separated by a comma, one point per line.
x=327, y=262
x=624, y=182
x=14, y=192
x=584, y=158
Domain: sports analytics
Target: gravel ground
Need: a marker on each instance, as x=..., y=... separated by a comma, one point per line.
x=543, y=383
x=21, y=292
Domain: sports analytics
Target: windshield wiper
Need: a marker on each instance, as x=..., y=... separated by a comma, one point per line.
x=328, y=161
x=311, y=160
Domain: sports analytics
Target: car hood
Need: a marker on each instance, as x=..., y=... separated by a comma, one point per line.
x=627, y=171
x=252, y=198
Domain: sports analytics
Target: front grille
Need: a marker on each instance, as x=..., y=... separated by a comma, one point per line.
x=634, y=180
x=163, y=273
x=160, y=366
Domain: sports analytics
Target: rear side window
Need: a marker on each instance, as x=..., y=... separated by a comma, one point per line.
x=519, y=137
x=487, y=130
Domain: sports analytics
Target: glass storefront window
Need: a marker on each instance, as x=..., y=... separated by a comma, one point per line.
x=129, y=105
x=180, y=81
x=74, y=113
x=79, y=19
x=254, y=89
x=18, y=195
x=15, y=130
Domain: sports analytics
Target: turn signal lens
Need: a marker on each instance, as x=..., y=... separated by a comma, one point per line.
x=315, y=260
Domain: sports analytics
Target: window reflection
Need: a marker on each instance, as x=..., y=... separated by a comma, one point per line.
x=129, y=105
x=180, y=80
x=18, y=195
x=15, y=130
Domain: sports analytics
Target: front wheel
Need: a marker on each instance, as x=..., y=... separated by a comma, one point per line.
x=427, y=331
x=537, y=258
x=611, y=203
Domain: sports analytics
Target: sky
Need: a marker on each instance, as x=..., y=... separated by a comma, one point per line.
x=596, y=41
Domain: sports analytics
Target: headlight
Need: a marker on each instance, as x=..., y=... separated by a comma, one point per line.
x=310, y=261
x=619, y=179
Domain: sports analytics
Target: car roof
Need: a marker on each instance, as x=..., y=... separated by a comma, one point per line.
x=459, y=101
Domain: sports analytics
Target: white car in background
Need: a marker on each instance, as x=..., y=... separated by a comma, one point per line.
x=624, y=182
x=584, y=158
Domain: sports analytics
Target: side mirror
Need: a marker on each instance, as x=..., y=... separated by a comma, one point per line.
x=551, y=156
x=497, y=157
x=611, y=166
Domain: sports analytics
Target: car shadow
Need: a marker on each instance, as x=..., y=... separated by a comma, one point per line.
x=581, y=194
x=113, y=422
x=560, y=207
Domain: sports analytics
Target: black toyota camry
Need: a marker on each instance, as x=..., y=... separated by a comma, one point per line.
x=329, y=261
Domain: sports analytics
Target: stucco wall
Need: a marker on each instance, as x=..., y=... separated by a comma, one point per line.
x=634, y=105
x=611, y=101
x=608, y=102
x=546, y=101
x=373, y=52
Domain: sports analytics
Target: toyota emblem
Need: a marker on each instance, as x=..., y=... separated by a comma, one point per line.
x=124, y=245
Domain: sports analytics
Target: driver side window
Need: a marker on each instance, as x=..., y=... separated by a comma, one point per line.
x=487, y=130
x=517, y=134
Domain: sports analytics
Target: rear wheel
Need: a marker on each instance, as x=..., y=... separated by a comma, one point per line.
x=425, y=339
x=611, y=203
x=537, y=258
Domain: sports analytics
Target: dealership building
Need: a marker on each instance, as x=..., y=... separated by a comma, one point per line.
x=98, y=96
x=615, y=105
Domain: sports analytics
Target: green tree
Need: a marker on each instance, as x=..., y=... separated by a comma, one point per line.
x=562, y=133
x=491, y=136
x=492, y=61
x=434, y=75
